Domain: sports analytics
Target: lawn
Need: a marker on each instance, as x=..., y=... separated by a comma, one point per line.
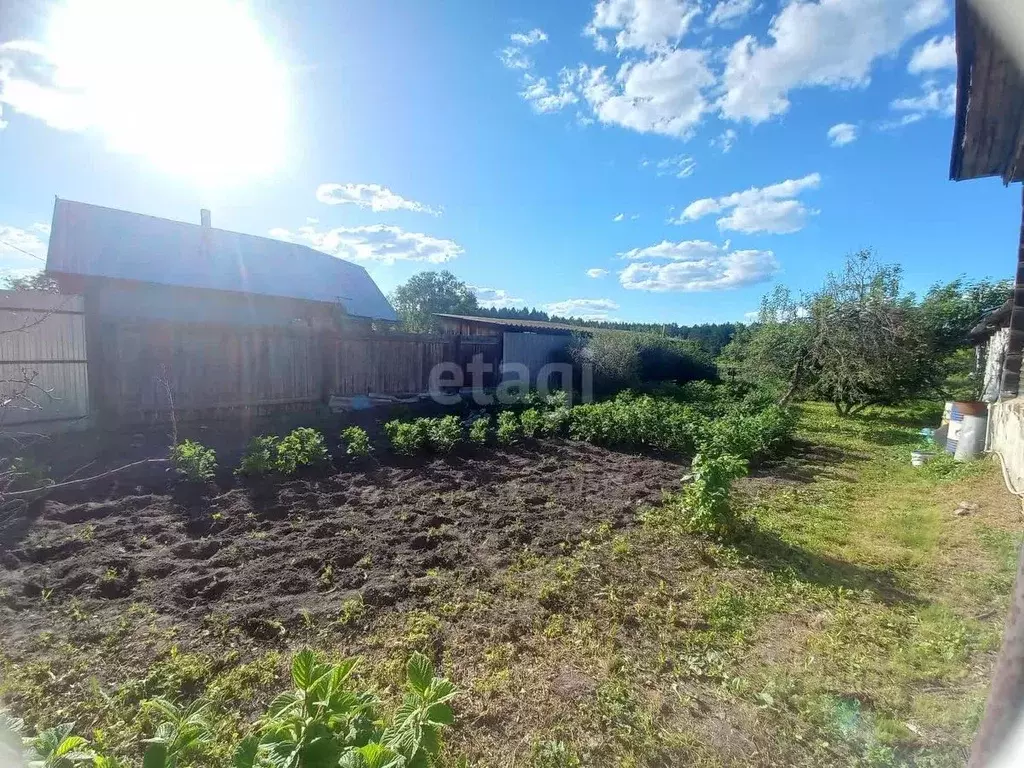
x=853, y=618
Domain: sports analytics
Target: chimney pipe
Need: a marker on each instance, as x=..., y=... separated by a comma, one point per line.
x=204, y=217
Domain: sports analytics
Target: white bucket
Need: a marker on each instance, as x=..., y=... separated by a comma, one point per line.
x=920, y=458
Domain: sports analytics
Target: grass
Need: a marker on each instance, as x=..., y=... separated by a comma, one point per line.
x=851, y=620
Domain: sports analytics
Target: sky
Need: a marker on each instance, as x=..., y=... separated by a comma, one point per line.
x=642, y=160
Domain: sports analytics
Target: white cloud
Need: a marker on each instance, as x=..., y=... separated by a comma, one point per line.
x=22, y=251
x=937, y=53
x=680, y=166
x=830, y=43
x=933, y=99
x=771, y=209
x=597, y=272
x=585, y=309
x=664, y=94
x=618, y=217
x=377, y=242
x=496, y=298
x=725, y=140
x=695, y=265
x=527, y=39
x=372, y=196
x=730, y=11
x=543, y=99
x=644, y=24
x=842, y=134
x=513, y=56
x=3, y=123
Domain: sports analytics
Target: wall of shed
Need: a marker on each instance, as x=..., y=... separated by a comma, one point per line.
x=993, y=352
x=127, y=299
x=534, y=350
x=43, y=374
x=1006, y=435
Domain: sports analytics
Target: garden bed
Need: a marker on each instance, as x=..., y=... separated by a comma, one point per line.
x=263, y=553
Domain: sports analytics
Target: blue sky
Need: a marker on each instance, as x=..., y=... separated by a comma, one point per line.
x=663, y=160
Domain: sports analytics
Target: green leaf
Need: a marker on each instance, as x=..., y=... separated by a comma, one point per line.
x=420, y=672
x=441, y=714
x=245, y=753
x=303, y=669
x=156, y=755
x=69, y=745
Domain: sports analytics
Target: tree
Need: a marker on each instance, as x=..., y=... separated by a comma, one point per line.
x=427, y=293
x=777, y=351
x=870, y=346
x=37, y=281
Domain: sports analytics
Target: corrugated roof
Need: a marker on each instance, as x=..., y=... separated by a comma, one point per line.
x=106, y=242
x=987, y=129
x=515, y=323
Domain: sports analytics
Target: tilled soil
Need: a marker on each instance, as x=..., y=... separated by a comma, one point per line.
x=259, y=553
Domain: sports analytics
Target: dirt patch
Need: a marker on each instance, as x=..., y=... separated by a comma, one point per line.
x=269, y=552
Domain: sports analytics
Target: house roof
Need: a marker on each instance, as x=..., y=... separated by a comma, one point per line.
x=991, y=321
x=95, y=241
x=512, y=324
x=988, y=129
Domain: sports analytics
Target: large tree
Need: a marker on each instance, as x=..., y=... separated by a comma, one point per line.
x=427, y=293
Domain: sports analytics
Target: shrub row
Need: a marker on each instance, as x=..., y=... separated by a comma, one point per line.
x=324, y=721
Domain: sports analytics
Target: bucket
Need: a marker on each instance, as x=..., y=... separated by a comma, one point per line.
x=920, y=458
x=960, y=409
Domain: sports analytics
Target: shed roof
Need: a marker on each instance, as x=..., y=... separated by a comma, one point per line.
x=512, y=324
x=991, y=321
x=95, y=241
x=988, y=133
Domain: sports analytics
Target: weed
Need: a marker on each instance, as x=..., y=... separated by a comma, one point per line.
x=705, y=500
x=352, y=609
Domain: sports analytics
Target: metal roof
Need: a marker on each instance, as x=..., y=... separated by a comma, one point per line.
x=95, y=241
x=504, y=322
x=989, y=125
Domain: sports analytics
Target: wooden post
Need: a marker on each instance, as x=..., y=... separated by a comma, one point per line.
x=1015, y=344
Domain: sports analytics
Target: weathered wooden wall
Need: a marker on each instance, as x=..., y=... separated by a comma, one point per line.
x=42, y=341
x=210, y=367
x=534, y=350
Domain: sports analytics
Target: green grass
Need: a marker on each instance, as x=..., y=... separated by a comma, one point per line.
x=851, y=620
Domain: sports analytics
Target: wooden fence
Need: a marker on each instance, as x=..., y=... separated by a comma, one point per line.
x=44, y=384
x=140, y=366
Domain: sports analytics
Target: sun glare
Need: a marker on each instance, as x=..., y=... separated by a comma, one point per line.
x=192, y=85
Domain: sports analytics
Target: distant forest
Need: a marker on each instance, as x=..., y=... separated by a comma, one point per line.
x=711, y=336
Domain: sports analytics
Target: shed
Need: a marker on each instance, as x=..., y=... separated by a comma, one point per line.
x=133, y=265
x=472, y=325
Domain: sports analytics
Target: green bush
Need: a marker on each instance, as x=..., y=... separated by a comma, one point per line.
x=302, y=447
x=260, y=457
x=194, y=460
x=532, y=422
x=631, y=421
x=356, y=441
x=479, y=430
x=408, y=437
x=622, y=359
x=444, y=433
x=705, y=501
x=556, y=421
x=326, y=721
x=508, y=429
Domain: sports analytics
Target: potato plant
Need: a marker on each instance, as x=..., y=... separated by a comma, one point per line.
x=194, y=460
x=444, y=433
x=260, y=457
x=356, y=442
x=532, y=422
x=326, y=721
x=479, y=430
x=302, y=447
x=407, y=437
x=508, y=429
